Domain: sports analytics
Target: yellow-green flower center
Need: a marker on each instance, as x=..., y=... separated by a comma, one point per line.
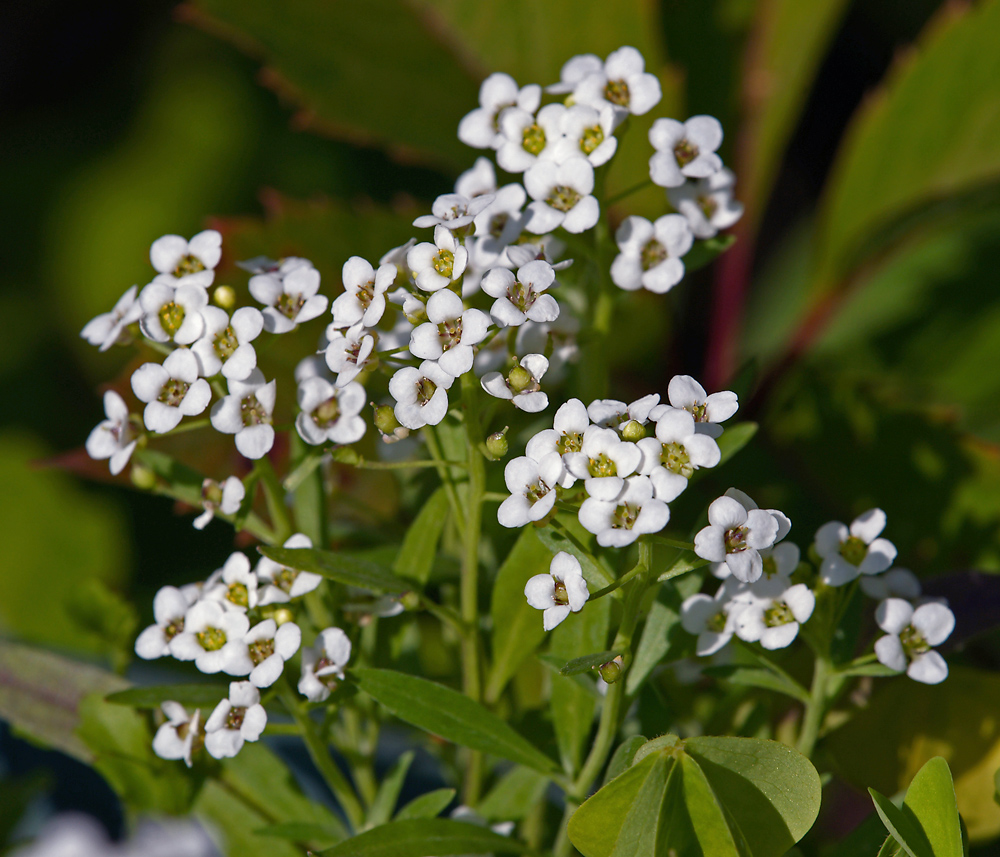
x=425, y=390
x=652, y=254
x=777, y=614
x=173, y=392
x=261, y=650
x=913, y=641
x=173, y=628
x=450, y=333
x=211, y=639
x=708, y=206
x=225, y=343
x=625, y=516
x=290, y=305
x=602, y=466
x=533, y=139
x=284, y=579
x=327, y=413
x=674, y=456
x=616, y=91
x=717, y=624
x=253, y=412
x=234, y=720
x=171, y=317
x=736, y=539
x=238, y=594
x=188, y=265
x=563, y=198
x=571, y=441
x=559, y=595
x=592, y=138
x=685, y=151
x=444, y=263
x=853, y=550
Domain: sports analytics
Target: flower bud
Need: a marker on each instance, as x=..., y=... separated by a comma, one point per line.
x=496, y=444
x=612, y=670
x=519, y=380
x=409, y=600
x=633, y=431
x=282, y=615
x=385, y=419
x=225, y=297
x=143, y=477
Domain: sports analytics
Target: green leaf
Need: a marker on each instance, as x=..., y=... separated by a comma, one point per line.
x=315, y=835
x=517, y=626
x=514, y=795
x=416, y=555
x=934, y=807
x=449, y=714
x=425, y=837
x=876, y=670
x=890, y=848
x=341, y=567
x=759, y=677
x=585, y=663
x=621, y=759
x=388, y=791
x=703, y=253
x=662, y=630
x=901, y=827
x=594, y=572
x=642, y=830
x=428, y=805
x=41, y=692
x=309, y=496
x=734, y=438
x=191, y=695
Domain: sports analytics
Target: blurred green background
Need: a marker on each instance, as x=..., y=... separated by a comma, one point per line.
x=858, y=315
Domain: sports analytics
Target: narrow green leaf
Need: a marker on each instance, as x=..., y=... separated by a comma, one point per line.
x=876, y=670
x=703, y=253
x=514, y=795
x=449, y=714
x=734, y=438
x=642, y=828
x=901, y=826
x=309, y=495
x=759, y=677
x=594, y=573
x=429, y=805
x=341, y=567
x=388, y=792
x=684, y=563
x=425, y=837
x=662, y=632
x=416, y=554
x=586, y=663
x=890, y=848
x=708, y=827
x=191, y=695
x=314, y=835
x=931, y=801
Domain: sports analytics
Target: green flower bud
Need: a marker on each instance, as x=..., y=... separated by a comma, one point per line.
x=409, y=600
x=385, y=419
x=496, y=444
x=143, y=478
x=282, y=615
x=633, y=431
x=225, y=297
x=519, y=380
x=612, y=670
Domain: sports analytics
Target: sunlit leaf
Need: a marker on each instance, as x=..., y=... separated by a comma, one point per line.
x=428, y=805
x=425, y=838
x=901, y=827
x=931, y=800
x=190, y=695
x=341, y=567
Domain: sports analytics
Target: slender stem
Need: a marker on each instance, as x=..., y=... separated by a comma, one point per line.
x=674, y=543
x=815, y=708
x=494, y=497
x=275, y=496
x=405, y=465
x=434, y=448
x=621, y=581
x=618, y=197
x=194, y=425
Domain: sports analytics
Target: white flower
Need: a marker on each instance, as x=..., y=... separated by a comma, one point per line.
x=604, y=460
x=246, y=412
x=239, y=718
x=176, y=738
x=911, y=634
x=612, y=413
x=329, y=413
x=573, y=71
x=449, y=333
x=421, y=394
x=112, y=438
x=559, y=592
x=686, y=394
x=225, y=344
x=650, y=253
x=480, y=127
x=289, y=295
x=268, y=647
x=226, y=498
x=497, y=227
x=712, y=619
x=622, y=82
x=349, y=352
x=213, y=639
x=562, y=196
x=557, y=336
x=439, y=264
x=453, y=211
x=191, y=263
x=522, y=297
x=234, y=585
x=736, y=535
x=781, y=560
x=895, y=583
x=479, y=179
x=522, y=386
x=848, y=552
x=707, y=203
x=774, y=612
x=172, y=313
x=684, y=150
x=363, y=300
x=621, y=521
x=588, y=132
x=323, y=664
x=170, y=605
x=532, y=490
x=281, y=584
x=528, y=139
x=670, y=458
x=566, y=436
x=172, y=391
x=103, y=330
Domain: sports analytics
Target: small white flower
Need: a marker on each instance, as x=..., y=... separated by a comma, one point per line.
x=686, y=394
x=191, y=263
x=437, y=265
x=349, y=352
x=774, y=612
x=650, y=253
x=170, y=605
x=557, y=336
x=105, y=329
x=527, y=138
x=573, y=71
x=481, y=128
x=612, y=413
x=521, y=297
x=478, y=180
x=604, y=460
x=449, y=333
x=323, y=664
x=588, y=132
x=670, y=458
x=171, y=391
x=246, y=412
x=522, y=385
x=712, y=619
x=268, y=647
x=707, y=203
x=234, y=585
x=911, y=635
x=781, y=560
x=235, y=720
x=621, y=521
x=226, y=498
x=329, y=413
x=895, y=583
x=566, y=436
x=289, y=295
x=849, y=552
x=562, y=196
x=112, y=438
x=621, y=82
x=172, y=313
x=497, y=227
x=453, y=211
x=363, y=300
x=561, y=591
x=421, y=394
x=281, y=584
x=213, y=639
x=176, y=738
x=684, y=150
x=225, y=344
x=532, y=490
x=736, y=535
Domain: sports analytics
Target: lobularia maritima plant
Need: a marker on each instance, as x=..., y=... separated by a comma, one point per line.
x=467, y=339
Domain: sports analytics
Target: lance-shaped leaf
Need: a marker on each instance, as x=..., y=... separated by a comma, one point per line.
x=341, y=567
x=585, y=663
x=191, y=695
x=451, y=715
x=425, y=837
x=428, y=805
x=416, y=555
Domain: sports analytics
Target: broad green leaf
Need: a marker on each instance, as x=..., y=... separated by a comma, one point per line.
x=41, y=692
x=734, y=438
x=642, y=830
x=901, y=827
x=316, y=835
x=932, y=132
x=416, y=555
x=586, y=663
x=388, y=791
x=517, y=627
x=191, y=695
x=759, y=677
x=428, y=805
x=449, y=714
x=341, y=567
x=621, y=759
x=425, y=837
x=934, y=807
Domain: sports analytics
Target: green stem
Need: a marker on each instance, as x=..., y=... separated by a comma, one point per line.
x=434, y=448
x=815, y=708
x=405, y=465
x=194, y=425
x=275, y=496
x=618, y=197
x=621, y=581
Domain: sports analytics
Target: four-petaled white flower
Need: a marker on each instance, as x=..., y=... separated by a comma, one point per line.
x=449, y=333
x=268, y=646
x=911, y=635
x=622, y=81
x=562, y=195
x=226, y=498
x=323, y=664
x=105, y=329
x=246, y=412
x=573, y=71
x=213, y=638
x=707, y=203
x=289, y=295
x=170, y=605
x=684, y=150
x=561, y=591
x=234, y=585
x=850, y=551
x=522, y=385
x=437, y=265
x=453, y=211
x=686, y=394
x=113, y=437
x=650, y=253
x=774, y=611
x=281, y=584
x=171, y=391
x=330, y=413
x=480, y=128
x=521, y=297
x=589, y=132
x=176, y=738
x=670, y=458
x=225, y=346
x=172, y=313
x=712, y=619
x=621, y=521
x=348, y=353
x=604, y=460
x=421, y=394
x=736, y=535
x=363, y=300
x=532, y=490
x=237, y=719
x=182, y=262
x=527, y=138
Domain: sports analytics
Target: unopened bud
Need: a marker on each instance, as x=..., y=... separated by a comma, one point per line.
x=143, y=477
x=224, y=296
x=496, y=444
x=385, y=419
x=519, y=380
x=409, y=600
x=633, y=431
x=612, y=670
x=283, y=615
